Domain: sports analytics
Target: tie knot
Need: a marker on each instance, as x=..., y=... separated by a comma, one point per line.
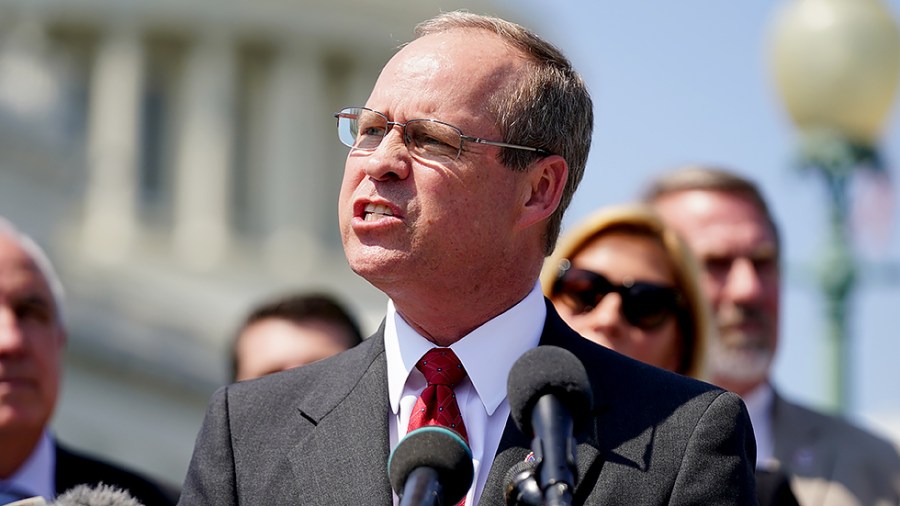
x=441, y=367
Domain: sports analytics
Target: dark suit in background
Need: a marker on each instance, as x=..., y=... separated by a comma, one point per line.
x=832, y=462
x=774, y=488
x=74, y=469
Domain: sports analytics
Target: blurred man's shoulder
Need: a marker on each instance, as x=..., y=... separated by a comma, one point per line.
x=76, y=468
x=837, y=430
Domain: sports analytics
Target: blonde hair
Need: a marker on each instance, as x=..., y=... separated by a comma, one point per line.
x=694, y=320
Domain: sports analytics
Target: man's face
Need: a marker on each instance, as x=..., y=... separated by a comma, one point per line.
x=737, y=248
x=31, y=342
x=405, y=220
x=274, y=344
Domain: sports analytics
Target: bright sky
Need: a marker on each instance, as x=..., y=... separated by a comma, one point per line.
x=688, y=81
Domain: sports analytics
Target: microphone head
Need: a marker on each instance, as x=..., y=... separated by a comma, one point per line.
x=548, y=370
x=521, y=486
x=101, y=495
x=440, y=449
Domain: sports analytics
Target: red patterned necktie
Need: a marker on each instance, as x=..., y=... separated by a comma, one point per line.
x=437, y=404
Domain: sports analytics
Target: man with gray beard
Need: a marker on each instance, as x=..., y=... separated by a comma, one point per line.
x=726, y=222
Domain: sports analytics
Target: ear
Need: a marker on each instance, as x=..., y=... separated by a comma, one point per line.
x=546, y=180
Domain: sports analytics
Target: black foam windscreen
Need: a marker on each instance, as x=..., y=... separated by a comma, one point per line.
x=548, y=370
x=437, y=448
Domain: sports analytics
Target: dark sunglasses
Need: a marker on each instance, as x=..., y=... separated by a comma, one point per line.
x=644, y=305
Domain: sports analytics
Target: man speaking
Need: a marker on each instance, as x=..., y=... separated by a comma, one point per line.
x=461, y=164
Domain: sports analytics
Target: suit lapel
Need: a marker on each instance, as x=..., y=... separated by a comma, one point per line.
x=588, y=453
x=336, y=465
x=514, y=446
x=333, y=464
x=799, y=449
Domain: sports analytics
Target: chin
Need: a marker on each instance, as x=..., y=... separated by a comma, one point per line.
x=742, y=366
x=375, y=265
x=19, y=419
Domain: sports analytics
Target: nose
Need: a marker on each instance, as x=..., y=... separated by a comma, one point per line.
x=390, y=160
x=743, y=285
x=606, y=317
x=12, y=341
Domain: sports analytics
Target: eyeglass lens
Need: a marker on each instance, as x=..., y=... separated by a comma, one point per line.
x=644, y=305
x=364, y=129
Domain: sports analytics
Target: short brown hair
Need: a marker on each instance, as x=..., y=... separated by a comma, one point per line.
x=710, y=178
x=549, y=108
x=300, y=308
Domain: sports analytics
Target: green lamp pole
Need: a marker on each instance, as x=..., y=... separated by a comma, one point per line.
x=836, y=65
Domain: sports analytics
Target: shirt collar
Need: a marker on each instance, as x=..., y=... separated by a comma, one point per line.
x=36, y=475
x=487, y=353
x=759, y=404
x=759, y=401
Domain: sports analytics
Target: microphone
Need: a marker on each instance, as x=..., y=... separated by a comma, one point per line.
x=431, y=466
x=101, y=495
x=550, y=400
x=521, y=487
x=84, y=495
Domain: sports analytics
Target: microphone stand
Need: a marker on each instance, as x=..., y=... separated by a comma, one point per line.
x=422, y=488
x=556, y=450
x=522, y=488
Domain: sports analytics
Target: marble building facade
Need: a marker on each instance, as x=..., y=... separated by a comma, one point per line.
x=179, y=162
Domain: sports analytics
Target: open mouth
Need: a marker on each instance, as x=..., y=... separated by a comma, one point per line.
x=375, y=212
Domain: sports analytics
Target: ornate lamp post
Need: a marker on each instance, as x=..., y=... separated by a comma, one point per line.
x=836, y=64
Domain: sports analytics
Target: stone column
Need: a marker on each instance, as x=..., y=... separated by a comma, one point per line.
x=204, y=153
x=111, y=206
x=295, y=202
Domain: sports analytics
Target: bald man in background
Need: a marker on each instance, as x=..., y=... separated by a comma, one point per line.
x=32, y=340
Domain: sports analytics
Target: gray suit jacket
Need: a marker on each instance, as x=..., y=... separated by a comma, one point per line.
x=319, y=435
x=831, y=462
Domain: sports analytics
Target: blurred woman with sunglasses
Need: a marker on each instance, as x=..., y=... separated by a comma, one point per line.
x=624, y=280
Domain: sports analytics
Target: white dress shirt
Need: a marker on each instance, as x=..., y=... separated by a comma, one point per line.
x=759, y=404
x=36, y=476
x=487, y=354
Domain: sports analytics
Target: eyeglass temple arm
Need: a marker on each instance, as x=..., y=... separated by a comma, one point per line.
x=479, y=140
